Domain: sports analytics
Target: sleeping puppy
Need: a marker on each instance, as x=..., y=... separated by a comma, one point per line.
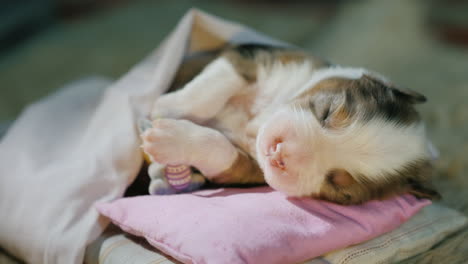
x=261, y=114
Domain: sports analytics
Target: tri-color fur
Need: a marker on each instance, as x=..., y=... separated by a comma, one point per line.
x=304, y=126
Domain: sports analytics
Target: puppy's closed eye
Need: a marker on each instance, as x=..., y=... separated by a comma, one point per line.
x=325, y=115
x=321, y=109
x=330, y=115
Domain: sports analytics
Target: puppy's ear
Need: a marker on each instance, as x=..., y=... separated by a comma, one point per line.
x=408, y=95
x=423, y=190
x=405, y=94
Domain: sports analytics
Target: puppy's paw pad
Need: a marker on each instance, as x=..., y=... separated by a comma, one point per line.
x=167, y=142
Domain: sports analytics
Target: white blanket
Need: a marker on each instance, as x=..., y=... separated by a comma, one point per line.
x=80, y=145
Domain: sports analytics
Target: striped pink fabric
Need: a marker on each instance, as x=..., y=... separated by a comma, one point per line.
x=178, y=176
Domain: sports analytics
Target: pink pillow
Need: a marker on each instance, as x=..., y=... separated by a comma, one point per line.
x=256, y=225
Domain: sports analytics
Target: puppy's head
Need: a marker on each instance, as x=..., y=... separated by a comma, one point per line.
x=348, y=137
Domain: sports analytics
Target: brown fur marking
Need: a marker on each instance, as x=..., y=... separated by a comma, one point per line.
x=414, y=179
x=244, y=170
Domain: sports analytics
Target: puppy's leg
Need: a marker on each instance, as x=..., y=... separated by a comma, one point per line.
x=203, y=97
x=173, y=141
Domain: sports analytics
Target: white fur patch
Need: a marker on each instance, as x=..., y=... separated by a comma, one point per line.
x=380, y=147
x=204, y=96
x=278, y=84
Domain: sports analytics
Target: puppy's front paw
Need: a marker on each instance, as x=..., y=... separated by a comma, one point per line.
x=167, y=141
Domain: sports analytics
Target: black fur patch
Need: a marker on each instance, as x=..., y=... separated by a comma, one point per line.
x=376, y=99
x=249, y=51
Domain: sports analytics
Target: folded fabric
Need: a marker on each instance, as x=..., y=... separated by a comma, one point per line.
x=256, y=225
x=116, y=247
x=81, y=145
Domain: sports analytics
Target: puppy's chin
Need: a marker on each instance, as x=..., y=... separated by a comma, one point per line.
x=282, y=182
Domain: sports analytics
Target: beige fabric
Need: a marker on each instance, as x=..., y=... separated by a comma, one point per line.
x=81, y=145
x=432, y=224
x=114, y=247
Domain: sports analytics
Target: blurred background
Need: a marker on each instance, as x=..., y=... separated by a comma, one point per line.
x=419, y=44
